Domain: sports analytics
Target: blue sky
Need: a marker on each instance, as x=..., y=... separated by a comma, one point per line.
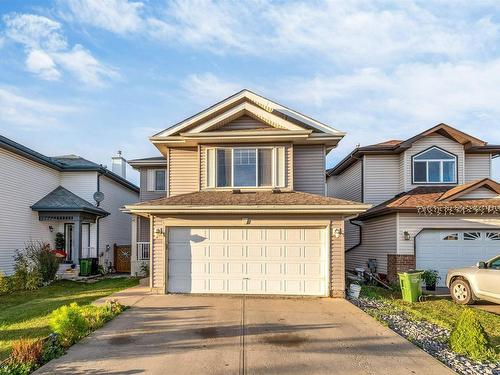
x=93, y=76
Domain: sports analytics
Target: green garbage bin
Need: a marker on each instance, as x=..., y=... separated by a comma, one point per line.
x=410, y=283
x=85, y=266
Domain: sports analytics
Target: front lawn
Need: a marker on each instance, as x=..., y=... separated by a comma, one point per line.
x=25, y=313
x=442, y=312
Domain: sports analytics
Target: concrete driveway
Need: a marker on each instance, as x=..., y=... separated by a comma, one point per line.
x=179, y=334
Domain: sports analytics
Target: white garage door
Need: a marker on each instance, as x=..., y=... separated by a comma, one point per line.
x=444, y=249
x=248, y=261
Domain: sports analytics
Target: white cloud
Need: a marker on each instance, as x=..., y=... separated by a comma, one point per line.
x=47, y=51
x=32, y=113
x=207, y=88
x=119, y=16
x=40, y=62
x=84, y=66
x=359, y=33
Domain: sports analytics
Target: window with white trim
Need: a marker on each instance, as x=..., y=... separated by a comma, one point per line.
x=493, y=236
x=245, y=167
x=157, y=180
x=451, y=237
x=472, y=236
x=434, y=166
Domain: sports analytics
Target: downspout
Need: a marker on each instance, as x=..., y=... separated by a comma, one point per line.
x=98, y=217
x=360, y=237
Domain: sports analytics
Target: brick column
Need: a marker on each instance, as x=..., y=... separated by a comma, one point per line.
x=399, y=263
x=337, y=265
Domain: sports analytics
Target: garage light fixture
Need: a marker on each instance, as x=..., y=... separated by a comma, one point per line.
x=337, y=232
x=406, y=235
x=158, y=232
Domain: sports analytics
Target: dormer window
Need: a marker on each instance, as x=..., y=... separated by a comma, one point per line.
x=434, y=166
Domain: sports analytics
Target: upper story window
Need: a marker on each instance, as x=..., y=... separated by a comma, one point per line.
x=434, y=166
x=157, y=180
x=246, y=167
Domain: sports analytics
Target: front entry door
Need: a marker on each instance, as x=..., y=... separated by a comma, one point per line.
x=68, y=240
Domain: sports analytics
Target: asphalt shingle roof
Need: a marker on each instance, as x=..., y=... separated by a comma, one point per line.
x=251, y=198
x=61, y=199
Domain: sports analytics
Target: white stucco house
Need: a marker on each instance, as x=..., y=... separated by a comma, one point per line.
x=42, y=196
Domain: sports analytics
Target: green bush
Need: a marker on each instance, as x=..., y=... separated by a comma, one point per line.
x=69, y=324
x=5, y=284
x=34, y=266
x=16, y=369
x=469, y=338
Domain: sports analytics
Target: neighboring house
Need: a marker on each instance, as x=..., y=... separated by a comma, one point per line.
x=436, y=206
x=244, y=209
x=41, y=196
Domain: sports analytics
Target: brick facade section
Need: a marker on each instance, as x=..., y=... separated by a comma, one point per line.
x=337, y=254
x=399, y=263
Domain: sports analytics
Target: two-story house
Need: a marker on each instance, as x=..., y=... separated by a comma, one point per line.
x=435, y=205
x=41, y=196
x=244, y=209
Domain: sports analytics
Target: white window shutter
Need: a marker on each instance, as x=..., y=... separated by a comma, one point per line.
x=150, y=182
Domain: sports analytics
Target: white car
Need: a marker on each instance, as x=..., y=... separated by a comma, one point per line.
x=469, y=284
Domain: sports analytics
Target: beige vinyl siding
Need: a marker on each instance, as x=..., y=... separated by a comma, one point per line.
x=243, y=123
x=413, y=223
x=288, y=163
x=348, y=184
x=402, y=169
x=158, y=267
x=309, y=169
x=115, y=228
x=146, y=195
x=427, y=142
x=183, y=170
x=381, y=178
x=480, y=193
x=22, y=183
x=477, y=167
x=379, y=239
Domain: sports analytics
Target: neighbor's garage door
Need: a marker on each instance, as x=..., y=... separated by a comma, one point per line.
x=445, y=249
x=248, y=261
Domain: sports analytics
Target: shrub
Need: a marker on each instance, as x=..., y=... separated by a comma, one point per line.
x=144, y=269
x=469, y=338
x=69, y=323
x=97, y=316
x=26, y=351
x=52, y=349
x=46, y=262
x=34, y=266
x=5, y=284
x=16, y=369
x=59, y=242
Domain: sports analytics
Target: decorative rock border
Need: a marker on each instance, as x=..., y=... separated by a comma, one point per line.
x=428, y=336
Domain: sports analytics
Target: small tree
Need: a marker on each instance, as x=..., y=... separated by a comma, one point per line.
x=468, y=338
x=59, y=241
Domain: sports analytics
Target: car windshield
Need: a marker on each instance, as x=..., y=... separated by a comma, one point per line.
x=494, y=263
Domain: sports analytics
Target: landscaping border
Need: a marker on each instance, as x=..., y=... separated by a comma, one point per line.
x=429, y=337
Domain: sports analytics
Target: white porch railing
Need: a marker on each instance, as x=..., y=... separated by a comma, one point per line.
x=143, y=250
x=89, y=252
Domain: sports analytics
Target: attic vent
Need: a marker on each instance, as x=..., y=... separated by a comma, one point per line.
x=236, y=191
x=276, y=190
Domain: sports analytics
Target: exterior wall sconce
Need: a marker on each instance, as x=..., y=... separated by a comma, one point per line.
x=337, y=232
x=406, y=235
x=246, y=220
x=51, y=228
x=159, y=232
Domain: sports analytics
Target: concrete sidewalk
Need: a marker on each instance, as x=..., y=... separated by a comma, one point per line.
x=178, y=334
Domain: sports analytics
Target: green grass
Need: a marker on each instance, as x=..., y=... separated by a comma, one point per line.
x=26, y=313
x=442, y=312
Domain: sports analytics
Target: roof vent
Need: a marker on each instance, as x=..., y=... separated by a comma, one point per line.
x=276, y=190
x=236, y=191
